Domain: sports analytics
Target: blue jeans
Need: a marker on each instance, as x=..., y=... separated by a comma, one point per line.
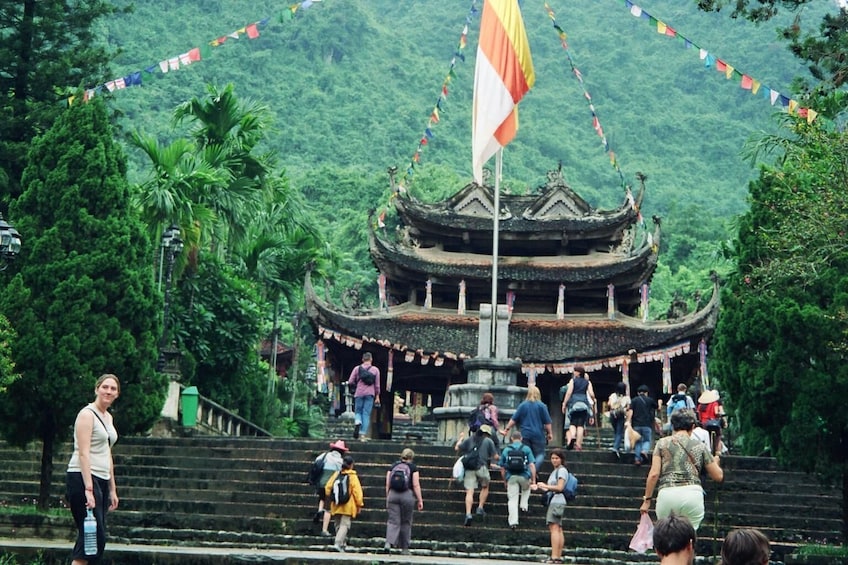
x=644, y=444
x=362, y=406
x=538, y=449
x=618, y=426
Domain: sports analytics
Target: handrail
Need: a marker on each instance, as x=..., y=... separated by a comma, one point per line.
x=214, y=417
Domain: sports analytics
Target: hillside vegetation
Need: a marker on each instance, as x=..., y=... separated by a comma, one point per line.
x=351, y=86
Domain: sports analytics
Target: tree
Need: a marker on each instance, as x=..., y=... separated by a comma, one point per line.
x=781, y=339
x=82, y=299
x=217, y=319
x=48, y=48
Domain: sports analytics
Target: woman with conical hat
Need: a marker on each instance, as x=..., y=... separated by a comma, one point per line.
x=711, y=416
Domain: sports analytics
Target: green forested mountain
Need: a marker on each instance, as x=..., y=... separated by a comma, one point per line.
x=351, y=85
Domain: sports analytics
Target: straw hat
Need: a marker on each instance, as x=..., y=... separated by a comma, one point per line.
x=708, y=396
x=339, y=445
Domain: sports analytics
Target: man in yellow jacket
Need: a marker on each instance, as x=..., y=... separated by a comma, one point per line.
x=350, y=500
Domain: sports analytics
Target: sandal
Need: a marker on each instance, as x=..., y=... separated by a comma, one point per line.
x=552, y=560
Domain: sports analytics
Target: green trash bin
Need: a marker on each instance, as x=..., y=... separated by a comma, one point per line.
x=188, y=405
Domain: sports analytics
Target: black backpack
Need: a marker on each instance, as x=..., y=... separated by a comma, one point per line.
x=366, y=376
x=472, y=460
x=315, y=470
x=400, y=478
x=341, y=488
x=516, y=460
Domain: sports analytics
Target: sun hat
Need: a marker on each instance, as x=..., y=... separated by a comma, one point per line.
x=486, y=429
x=339, y=445
x=708, y=396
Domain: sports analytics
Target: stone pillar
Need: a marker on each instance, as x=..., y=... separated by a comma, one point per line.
x=497, y=375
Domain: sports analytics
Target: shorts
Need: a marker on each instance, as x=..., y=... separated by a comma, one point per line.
x=479, y=477
x=579, y=418
x=554, y=514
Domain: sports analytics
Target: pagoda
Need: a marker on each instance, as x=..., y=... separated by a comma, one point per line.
x=573, y=283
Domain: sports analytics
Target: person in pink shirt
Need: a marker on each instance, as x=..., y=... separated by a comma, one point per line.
x=366, y=378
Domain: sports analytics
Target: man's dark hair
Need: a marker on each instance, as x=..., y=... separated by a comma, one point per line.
x=366, y=356
x=747, y=546
x=672, y=534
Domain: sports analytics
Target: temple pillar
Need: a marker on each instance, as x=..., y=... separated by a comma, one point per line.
x=497, y=375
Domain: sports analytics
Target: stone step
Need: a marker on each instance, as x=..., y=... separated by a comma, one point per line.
x=221, y=490
x=524, y=544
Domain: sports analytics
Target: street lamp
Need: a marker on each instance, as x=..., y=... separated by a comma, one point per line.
x=172, y=245
x=10, y=242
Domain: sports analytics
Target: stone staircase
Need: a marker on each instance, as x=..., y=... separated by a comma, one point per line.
x=250, y=493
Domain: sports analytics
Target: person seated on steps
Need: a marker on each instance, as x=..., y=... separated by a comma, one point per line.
x=745, y=546
x=674, y=540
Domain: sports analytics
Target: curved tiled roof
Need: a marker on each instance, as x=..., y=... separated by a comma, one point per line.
x=403, y=261
x=534, y=339
x=555, y=211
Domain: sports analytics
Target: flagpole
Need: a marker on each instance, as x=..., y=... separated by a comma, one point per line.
x=495, y=238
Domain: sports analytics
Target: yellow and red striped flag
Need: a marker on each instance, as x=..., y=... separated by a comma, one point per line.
x=503, y=75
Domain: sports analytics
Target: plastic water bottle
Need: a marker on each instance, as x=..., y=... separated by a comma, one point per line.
x=89, y=531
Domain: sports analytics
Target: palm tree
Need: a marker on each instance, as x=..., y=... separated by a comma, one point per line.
x=227, y=133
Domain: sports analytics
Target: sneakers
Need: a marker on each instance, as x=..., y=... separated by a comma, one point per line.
x=524, y=509
x=318, y=517
x=339, y=548
x=404, y=552
x=480, y=511
x=325, y=534
x=356, y=431
x=513, y=527
x=468, y=518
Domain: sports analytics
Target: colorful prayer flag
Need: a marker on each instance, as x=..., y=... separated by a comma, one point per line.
x=503, y=75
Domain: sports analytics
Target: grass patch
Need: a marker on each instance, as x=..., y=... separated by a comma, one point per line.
x=824, y=550
x=29, y=510
x=11, y=559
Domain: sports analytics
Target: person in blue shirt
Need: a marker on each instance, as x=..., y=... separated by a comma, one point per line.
x=517, y=482
x=534, y=420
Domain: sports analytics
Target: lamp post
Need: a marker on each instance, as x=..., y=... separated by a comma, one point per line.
x=10, y=242
x=172, y=245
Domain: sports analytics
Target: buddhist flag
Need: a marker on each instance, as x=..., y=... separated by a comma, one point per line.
x=503, y=75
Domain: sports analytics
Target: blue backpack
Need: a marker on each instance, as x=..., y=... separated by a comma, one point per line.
x=570, y=488
x=678, y=402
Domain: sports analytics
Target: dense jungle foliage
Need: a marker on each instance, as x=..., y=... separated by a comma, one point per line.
x=351, y=85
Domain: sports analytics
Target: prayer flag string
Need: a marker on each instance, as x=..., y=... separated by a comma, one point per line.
x=596, y=122
x=746, y=82
x=434, y=117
